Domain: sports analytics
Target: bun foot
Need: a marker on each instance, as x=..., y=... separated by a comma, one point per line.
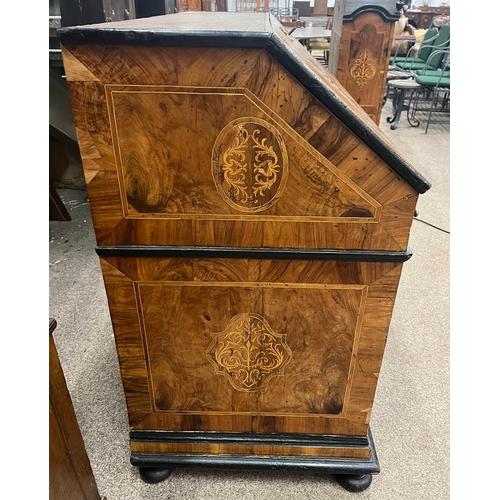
x=154, y=474
x=354, y=482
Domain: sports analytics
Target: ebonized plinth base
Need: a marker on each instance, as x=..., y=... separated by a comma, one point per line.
x=154, y=474
x=353, y=474
x=354, y=482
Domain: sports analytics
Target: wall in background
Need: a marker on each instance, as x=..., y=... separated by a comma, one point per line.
x=415, y=3
x=430, y=3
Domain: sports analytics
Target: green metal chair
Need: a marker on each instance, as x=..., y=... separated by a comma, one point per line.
x=433, y=55
x=433, y=96
x=424, y=52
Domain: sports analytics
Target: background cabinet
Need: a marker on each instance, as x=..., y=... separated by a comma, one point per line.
x=424, y=18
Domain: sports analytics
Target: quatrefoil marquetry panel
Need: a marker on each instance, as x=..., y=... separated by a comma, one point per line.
x=363, y=68
x=249, y=347
x=248, y=352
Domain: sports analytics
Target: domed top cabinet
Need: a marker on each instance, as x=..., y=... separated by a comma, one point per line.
x=251, y=222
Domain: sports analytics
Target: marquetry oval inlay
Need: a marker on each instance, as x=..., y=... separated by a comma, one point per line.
x=248, y=352
x=363, y=68
x=250, y=164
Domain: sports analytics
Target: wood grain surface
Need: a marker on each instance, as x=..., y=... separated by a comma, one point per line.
x=148, y=120
x=220, y=146
x=70, y=472
x=167, y=312
x=235, y=449
x=364, y=59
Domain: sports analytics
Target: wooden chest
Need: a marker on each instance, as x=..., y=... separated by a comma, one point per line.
x=252, y=223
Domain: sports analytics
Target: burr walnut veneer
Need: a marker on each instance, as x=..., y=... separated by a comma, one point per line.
x=252, y=222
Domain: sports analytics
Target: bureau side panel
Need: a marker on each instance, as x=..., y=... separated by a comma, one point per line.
x=223, y=147
x=237, y=345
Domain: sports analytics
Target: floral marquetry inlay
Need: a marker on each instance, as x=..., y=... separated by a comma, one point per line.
x=250, y=164
x=363, y=68
x=248, y=352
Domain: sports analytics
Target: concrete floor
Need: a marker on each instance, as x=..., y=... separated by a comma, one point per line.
x=410, y=420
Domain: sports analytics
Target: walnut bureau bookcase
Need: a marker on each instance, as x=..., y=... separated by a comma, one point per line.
x=251, y=223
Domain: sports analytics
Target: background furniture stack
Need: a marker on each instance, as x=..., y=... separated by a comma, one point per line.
x=322, y=44
x=425, y=83
x=423, y=17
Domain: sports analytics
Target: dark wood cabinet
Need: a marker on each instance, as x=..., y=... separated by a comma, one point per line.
x=424, y=18
x=252, y=224
x=70, y=473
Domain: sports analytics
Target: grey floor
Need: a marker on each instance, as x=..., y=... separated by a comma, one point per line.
x=410, y=420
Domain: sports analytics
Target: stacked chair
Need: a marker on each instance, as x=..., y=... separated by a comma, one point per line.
x=411, y=57
x=433, y=96
x=439, y=44
x=430, y=72
x=425, y=49
x=322, y=45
